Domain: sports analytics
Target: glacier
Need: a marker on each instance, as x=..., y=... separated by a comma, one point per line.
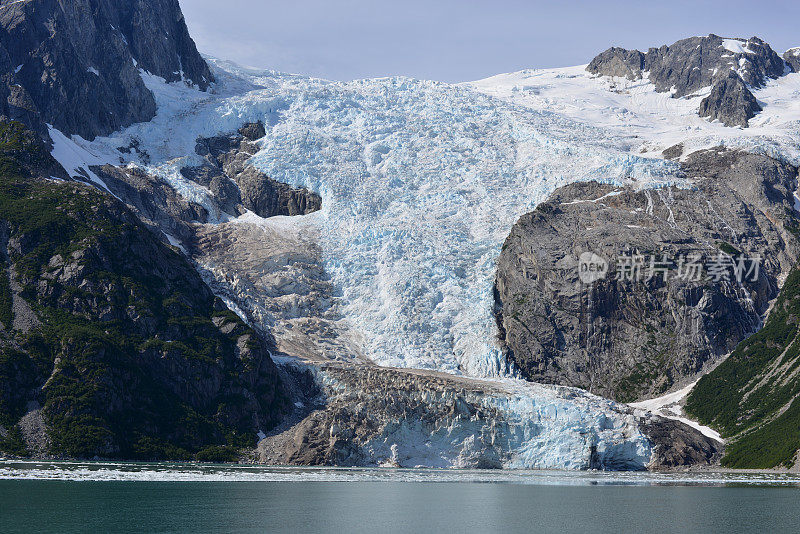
x=421, y=182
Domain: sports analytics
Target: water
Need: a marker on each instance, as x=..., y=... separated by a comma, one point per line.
x=45, y=497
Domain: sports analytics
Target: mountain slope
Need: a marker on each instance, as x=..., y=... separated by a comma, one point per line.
x=111, y=344
x=420, y=183
x=75, y=65
x=631, y=339
x=753, y=397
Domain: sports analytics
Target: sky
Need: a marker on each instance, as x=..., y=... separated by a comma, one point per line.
x=463, y=40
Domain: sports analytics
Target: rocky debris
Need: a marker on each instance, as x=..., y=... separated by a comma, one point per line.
x=628, y=340
x=276, y=277
x=34, y=432
x=233, y=181
x=60, y=60
x=25, y=319
x=792, y=59
x=367, y=416
x=676, y=445
x=692, y=64
x=730, y=102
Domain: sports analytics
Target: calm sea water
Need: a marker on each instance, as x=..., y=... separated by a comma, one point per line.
x=45, y=497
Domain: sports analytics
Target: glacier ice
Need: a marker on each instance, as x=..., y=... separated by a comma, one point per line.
x=421, y=182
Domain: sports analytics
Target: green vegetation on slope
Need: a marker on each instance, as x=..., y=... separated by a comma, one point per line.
x=130, y=355
x=753, y=397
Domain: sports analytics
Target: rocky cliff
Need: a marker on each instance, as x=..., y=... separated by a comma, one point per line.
x=728, y=66
x=111, y=344
x=630, y=337
x=75, y=64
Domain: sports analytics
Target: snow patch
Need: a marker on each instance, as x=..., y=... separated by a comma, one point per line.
x=669, y=406
x=737, y=46
x=76, y=156
x=175, y=242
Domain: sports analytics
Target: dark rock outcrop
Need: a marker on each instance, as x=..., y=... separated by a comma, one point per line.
x=730, y=102
x=792, y=59
x=677, y=445
x=75, y=65
x=236, y=184
x=632, y=339
x=695, y=63
x=619, y=62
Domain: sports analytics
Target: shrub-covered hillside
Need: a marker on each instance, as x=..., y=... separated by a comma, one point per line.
x=111, y=345
x=753, y=397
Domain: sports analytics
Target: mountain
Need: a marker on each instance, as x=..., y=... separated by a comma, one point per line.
x=75, y=65
x=627, y=338
x=111, y=343
x=311, y=264
x=728, y=66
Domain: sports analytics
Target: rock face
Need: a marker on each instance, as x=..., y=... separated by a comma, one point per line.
x=275, y=275
x=676, y=445
x=689, y=65
x=125, y=352
x=629, y=339
x=792, y=59
x=75, y=65
x=234, y=182
x=364, y=415
x=157, y=204
x=619, y=62
x=730, y=102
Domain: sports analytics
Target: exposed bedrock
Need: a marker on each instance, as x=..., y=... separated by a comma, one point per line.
x=75, y=65
x=729, y=66
x=632, y=339
x=792, y=59
x=233, y=181
x=730, y=102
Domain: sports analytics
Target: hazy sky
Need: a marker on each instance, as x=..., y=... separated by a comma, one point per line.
x=459, y=40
